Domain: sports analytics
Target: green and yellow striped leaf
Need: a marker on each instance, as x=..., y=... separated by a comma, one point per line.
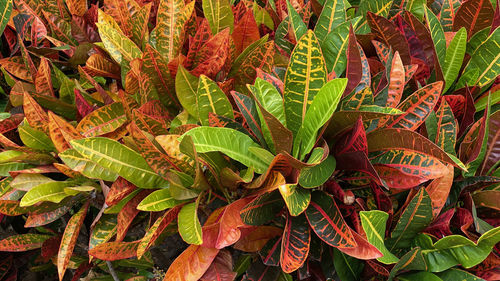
x=189, y=224
x=50, y=191
x=102, y=120
x=219, y=15
x=332, y=15
x=296, y=198
x=158, y=201
x=304, y=78
x=454, y=58
x=5, y=12
x=486, y=59
x=210, y=98
x=374, y=224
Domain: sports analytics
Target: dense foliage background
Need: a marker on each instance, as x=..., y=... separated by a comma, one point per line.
x=236, y=140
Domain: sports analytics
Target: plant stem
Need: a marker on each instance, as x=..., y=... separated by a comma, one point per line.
x=112, y=271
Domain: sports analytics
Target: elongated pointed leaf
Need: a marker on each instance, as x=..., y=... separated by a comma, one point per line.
x=396, y=81
x=417, y=107
x=415, y=218
x=474, y=15
x=83, y=165
x=111, y=251
x=158, y=201
x=454, y=58
x=116, y=43
x=189, y=225
x=50, y=191
x=120, y=159
x=219, y=15
x=186, y=86
x=486, y=60
x=68, y=240
x=296, y=198
x=295, y=243
x=262, y=209
x=228, y=141
x=103, y=230
x=103, y=120
x=304, y=78
x=191, y=264
x=5, y=12
x=374, y=223
x=332, y=15
x=22, y=242
x=327, y=222
x=210, y=98
x=298, y=27
x=319, y=112
x=156, y=230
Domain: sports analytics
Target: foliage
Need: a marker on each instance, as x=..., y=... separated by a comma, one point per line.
x=253, y=140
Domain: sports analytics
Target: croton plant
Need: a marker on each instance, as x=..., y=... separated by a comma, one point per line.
x=236, y=140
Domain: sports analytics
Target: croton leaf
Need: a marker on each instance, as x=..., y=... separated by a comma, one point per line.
x=485, y=60
x=231, y=142
x=189, y=225
x=454, y=58
x=374, y=224
x=327, y=222
x=111, y=251
x=191, y=264
x=219, y=15
x=296, y=198
x=415, y=218
x=103, y=120
x=210, y=98
x=69, y=238
x=473, y=15
x=5, y=11
x=262, y=209
x=120, y=159
x=332, y=15
x=295, y=243
x=301, y=86
x=22, y=242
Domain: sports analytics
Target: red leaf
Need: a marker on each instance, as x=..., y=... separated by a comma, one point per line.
x=128, y=213
x=119, y=190
x=212, y=56
x=156, y=230
x=363, y=250
x=354, y=70
x=474, y=15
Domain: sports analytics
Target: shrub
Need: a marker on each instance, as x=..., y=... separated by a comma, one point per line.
x=267, y=140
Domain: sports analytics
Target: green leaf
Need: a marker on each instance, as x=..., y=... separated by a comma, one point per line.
x=116, y=43
x=269, y=98
x=189, y=225
x=346, y=267
x=487, y=60
x=103, y=120
x=262, y=209
x=103, y=231
x=319, y=174
x=77, y=162
x=454, y=58
x=455, y=249
x=453, y=274
x=415, y=218
x=319, y=112
x=186, y=86
x=51, y=191
x=334, y=46
x=437, y=35
x=332, y=15
x=5, y=11
x=120, y=159
x=219, y=15
x=233, y=143
x=158, y=201
x=418, y=276
x=298, y=26
x=210, y=98
x=34, y=138
x=305, y=76
x=296, y=198
x=374, y=223
x=25, y=182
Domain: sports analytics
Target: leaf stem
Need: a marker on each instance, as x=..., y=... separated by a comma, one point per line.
x=112, y=271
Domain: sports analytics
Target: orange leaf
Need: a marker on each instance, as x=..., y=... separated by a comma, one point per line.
x=396, y=81
x=16, y=67
x=99, y=65
x=23, y=242
x=439, y=189
x=36, y=116
x=245, y=32
x=363, y=250
x=156, y=230
x=230, y=222
x=221, y=268
x=191, y=264
x=212, y=56
x=119, y=190
x=128, y=213
x=61, y=132
x=43, y=81
x=68, y=241
x=112, y=251
x=77, y=7
x=256, y=239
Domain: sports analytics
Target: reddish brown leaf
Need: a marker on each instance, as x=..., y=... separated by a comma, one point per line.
x=221, y=268
x=191, y=264
x=474, y=15
x=354, y=70
x=396, y=179
x=61, y=132
x=396, y=81
x=10, y=123
x=99, y=65
x=128, y=213
x=36, y=116
x=245, y=32
x=112, y=251
x=212, y=56
x=68, y=240
x=389, y=34
x=50, y=247
x=35, y=220
x=11, y=208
